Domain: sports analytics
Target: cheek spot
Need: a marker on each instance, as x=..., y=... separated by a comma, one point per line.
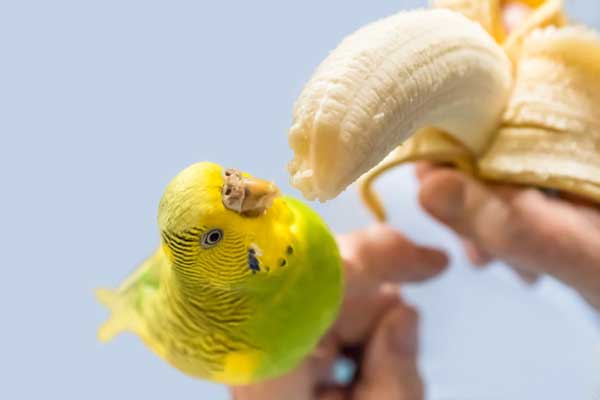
x=253, y=262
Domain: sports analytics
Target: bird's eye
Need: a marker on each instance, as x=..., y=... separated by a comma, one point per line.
x=211, y=238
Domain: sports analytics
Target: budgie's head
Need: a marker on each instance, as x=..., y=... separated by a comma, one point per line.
x=215, y=224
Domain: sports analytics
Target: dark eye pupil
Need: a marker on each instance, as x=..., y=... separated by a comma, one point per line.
x=214, y=237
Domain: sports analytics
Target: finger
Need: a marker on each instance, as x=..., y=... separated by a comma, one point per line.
x=297, y=385
x=473, y=210
x=362, y=308
x=481, y=258
x=527, y=277
x=524, y=227
x=324, y=357
x=375, y=257
x=380, y=254
x=389, y=370
x=477, y=256
x=425, y=168
x=332, y=394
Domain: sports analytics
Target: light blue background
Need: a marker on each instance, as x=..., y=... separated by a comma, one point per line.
x=102, y=102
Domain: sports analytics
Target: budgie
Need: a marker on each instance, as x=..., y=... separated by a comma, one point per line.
x=243, y=285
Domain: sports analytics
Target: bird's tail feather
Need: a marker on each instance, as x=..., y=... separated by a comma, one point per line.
x=122, y=317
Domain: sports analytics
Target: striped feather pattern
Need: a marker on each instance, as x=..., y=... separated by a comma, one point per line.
x=203, y=315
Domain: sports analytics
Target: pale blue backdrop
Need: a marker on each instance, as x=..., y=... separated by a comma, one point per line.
x=102, y=102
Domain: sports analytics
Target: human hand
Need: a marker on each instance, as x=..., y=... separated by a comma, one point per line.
x=533, y=232
x=375, y=329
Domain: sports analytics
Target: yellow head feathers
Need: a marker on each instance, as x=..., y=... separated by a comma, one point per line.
x=215, y=221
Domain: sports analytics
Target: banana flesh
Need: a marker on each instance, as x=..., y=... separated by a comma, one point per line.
x=408, y=71
x=543, y=131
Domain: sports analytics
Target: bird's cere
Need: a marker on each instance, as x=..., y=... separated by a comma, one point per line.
x=247, y=195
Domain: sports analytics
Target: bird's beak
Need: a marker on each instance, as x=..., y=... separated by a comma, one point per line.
x=247, y=195
x=259, y=195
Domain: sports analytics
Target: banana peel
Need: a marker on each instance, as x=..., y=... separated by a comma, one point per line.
x=548, y=134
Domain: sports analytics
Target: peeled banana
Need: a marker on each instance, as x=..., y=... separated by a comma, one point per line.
x=452, y=84
x=387, y=80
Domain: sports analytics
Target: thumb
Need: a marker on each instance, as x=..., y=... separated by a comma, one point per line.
x=390, y=366
x=381, y=254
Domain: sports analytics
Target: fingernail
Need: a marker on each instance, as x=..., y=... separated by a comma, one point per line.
x=446, y=201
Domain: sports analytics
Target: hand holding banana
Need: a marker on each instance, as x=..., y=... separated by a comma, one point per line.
x=533, y=233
